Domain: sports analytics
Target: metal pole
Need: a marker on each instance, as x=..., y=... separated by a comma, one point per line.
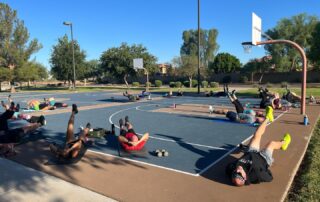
x=304, y=71
x=198, y=46
x=73, y=61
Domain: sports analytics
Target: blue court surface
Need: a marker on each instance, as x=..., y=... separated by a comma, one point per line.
x=194, y=142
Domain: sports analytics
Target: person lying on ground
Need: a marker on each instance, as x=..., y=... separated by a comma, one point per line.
x=243, y=115
x=73, y=146
x=37, y=105
x=179, y=93
x=208, y=93
x=130, y=96
x=9, y=137
x=52, y=102
x=144, y=94
x=222, y=93
x=17, y=115
x=253, y=166
x=269, y=99
x=128, y=139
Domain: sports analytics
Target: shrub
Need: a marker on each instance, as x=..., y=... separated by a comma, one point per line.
x=186, y=83
x=204, y=84
x=269, y=85
x=194, y=83
x=255, y=85
x=214, y=84
x=135, y=84
x=149, y=84
x=172, y=84
x=244, y=79
x=178, y=84
x=158, y=83
x=284, y=84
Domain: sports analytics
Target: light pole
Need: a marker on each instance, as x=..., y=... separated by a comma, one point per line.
x=73, y=61
x=198, y=46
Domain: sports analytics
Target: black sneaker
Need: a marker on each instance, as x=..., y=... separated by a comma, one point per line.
x=121, y=123
x=17, y=107
x=113, y=131
x=233, y=92
x=42, y=120
x=126, y=119
x=12, y=105
x=75, y=108
x=88, y=125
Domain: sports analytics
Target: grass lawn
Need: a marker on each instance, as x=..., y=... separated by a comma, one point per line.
x=306, y=185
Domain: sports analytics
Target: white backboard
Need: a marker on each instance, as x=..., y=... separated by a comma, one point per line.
x=138, y=63
x=256, y=29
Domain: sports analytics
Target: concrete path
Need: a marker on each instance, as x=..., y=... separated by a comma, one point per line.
x=19, y=183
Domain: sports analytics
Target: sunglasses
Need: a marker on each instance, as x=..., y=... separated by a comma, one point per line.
x=238, y=175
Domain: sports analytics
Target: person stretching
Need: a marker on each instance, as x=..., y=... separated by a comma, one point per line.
x=253, y=166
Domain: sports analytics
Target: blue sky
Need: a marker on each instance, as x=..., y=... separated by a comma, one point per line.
x=157, y=24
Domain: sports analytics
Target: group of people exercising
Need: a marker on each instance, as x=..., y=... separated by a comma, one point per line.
x=252, y=167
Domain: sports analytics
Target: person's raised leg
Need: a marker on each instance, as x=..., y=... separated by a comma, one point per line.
x=70, y=128
x=256, y=139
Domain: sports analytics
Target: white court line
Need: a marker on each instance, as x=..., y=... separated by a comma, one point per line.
x=164, y=139
x=149, y=164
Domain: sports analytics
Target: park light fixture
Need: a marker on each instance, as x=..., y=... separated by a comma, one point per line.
x=73, y=61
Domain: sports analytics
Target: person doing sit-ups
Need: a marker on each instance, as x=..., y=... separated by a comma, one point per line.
x=73, y=146
x=253, y=166
x=128, y=139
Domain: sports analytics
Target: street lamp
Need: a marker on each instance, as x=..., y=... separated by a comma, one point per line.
x=73, y=61
x=198, y=46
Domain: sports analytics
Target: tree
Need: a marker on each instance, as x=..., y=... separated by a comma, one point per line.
x=119, y=60
x=314, y=52
x=208, y=45
x=187, y=66
x=299, y=29
x=254, y=66
x=93, y=69
x=61, y=60
x=225, y=63
x=5, y=75
x=15, y=47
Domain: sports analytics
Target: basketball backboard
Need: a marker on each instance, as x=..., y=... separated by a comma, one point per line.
x=256, y=29
x=138, y=63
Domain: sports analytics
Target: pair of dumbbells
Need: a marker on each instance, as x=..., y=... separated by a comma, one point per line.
x=161, y=153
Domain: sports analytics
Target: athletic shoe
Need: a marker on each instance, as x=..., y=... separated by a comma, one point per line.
x=126, y=120
x=74, y=108
x=121, y=123
x=42, y=120
x=269, y=113
x=287, y=140
x=233, y=92
x=88, y=125
x=17, y=108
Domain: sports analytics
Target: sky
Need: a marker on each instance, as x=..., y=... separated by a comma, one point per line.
x=156, y=24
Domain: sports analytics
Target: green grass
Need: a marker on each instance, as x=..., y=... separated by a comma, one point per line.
x=306, y=185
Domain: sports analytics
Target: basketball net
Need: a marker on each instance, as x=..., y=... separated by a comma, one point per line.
x=247, y=48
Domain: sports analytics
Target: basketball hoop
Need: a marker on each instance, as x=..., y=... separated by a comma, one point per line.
x=247, y=46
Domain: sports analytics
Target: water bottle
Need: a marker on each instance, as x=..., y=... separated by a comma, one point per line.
x=305, y=120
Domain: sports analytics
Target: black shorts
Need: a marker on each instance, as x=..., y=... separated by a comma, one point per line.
x=12, y=136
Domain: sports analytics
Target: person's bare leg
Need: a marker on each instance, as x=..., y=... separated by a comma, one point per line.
x=220, y=111
x=123, y=139
x=274, y=145
x=70, y=128
x=256, y=139
x=31, y=127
